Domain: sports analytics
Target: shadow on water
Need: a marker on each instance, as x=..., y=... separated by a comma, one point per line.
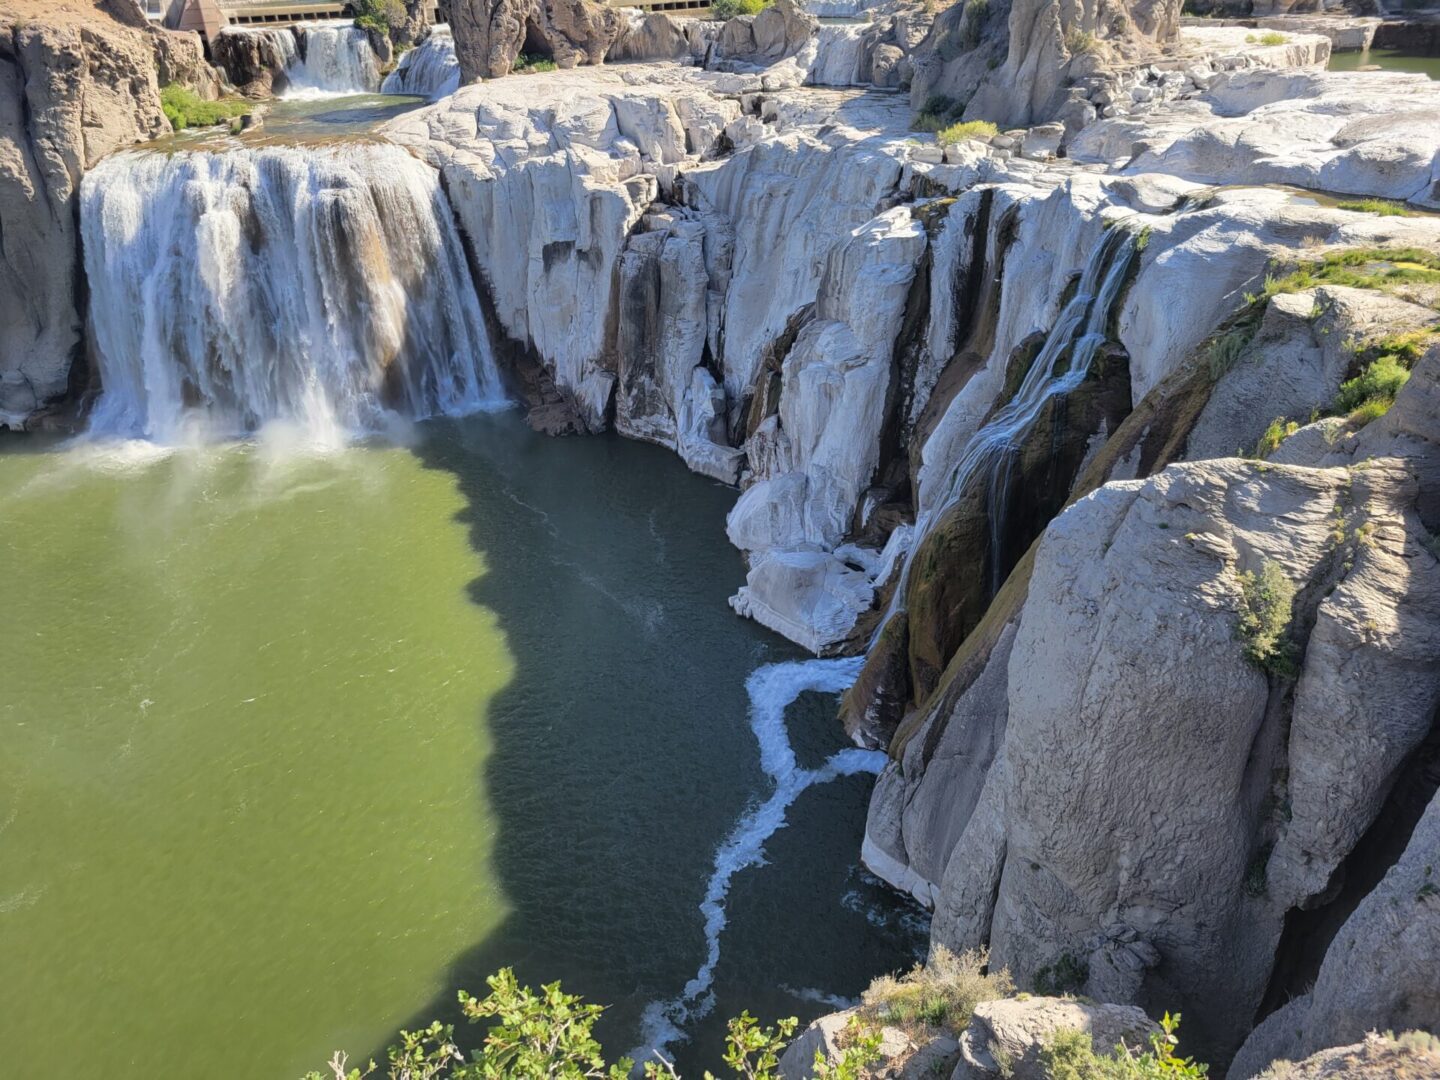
x=622, y=754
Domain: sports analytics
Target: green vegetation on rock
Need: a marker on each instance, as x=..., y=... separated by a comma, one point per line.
x=970, y=129
x=942, y=993
x=379, y=15
x=185, y=109
x=1383, y=207
x=1267, y=601
x=528, y=64
x=729, y=9
x=1070, y=1056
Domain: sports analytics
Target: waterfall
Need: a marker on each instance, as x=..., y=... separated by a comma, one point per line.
x=325, y=287
x=315, y=59
x=1059, y=368
x=338, y=60
x=429, y=70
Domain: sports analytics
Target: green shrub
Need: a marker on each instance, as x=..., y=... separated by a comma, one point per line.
x=1372, y=392
x=184, y=109
x=942, y=993
x=382, y=16
x=970, y=129
x=1273, y=38
x=860, y=1049
x=1267, y=601
x=529, y=64
x=1070, y=1056
x=1220, y=357
x=729, y=9
x=550, y=1034
x=1383, y=207
x=1080, y=42
x=1279, y=430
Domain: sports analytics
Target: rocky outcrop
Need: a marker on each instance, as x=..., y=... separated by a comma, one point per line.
x=1013, y=63
x=1005, y=1038
x=1359, y=133
x=71, y=91
x=1413, y=1054
x=1377, y=974
x=490, y=34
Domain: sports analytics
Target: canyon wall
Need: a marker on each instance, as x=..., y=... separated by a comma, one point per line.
x=1157, y=683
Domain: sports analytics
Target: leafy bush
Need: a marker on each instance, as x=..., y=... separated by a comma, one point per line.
x=529, y=64
x=861, y=1050
x=729, y=9
x=184, y=109
x=1081, y=41
x=1271, y=38
x=1383, y=207
x=970, y=129
x=942, y=993
x=382, y=16
x=550, y=1034
x=1372, y=392
x=1267, y=602
x=1070, y=1056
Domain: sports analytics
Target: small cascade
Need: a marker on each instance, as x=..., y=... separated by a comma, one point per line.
x=337, y=59
x=324, y=287
x=429, y=70
x=1060, y=367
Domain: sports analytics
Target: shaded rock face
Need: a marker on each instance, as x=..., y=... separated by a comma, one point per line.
x=69, y=94
x=490, y=34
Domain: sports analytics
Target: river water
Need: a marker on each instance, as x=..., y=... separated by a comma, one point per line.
x=298, y=744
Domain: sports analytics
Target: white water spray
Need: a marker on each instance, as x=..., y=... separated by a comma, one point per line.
x=323, y=287
x=1078, y=334
x=772, y=689
x=338, y=60
x=429, y=70
x=319, y=59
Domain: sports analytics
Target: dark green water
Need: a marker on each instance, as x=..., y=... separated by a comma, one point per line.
x=1386, y=60
x=298, y=745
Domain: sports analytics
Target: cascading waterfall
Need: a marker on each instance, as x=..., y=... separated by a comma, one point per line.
x=1060, y=367
x=320, y=59
x=429, y=70
x=772, y=689
x=338, y=60
x=326, y=287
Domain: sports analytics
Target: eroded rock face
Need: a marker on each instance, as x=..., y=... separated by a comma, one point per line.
x=69, y=94
x=490, y=34
x=1012, y=63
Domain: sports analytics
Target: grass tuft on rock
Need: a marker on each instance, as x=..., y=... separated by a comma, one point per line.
x=970, y=129
x=185, y=109
x=528, y=64
x=1383, y=207
x=940, y=994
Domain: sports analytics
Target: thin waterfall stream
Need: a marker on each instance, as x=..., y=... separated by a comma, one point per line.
x=1062, y=364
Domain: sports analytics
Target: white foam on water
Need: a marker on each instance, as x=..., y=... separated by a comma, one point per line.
x=772, y=689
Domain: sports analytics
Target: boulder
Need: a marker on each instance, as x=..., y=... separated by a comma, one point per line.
x=490, y=34
x=1005, y=1038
